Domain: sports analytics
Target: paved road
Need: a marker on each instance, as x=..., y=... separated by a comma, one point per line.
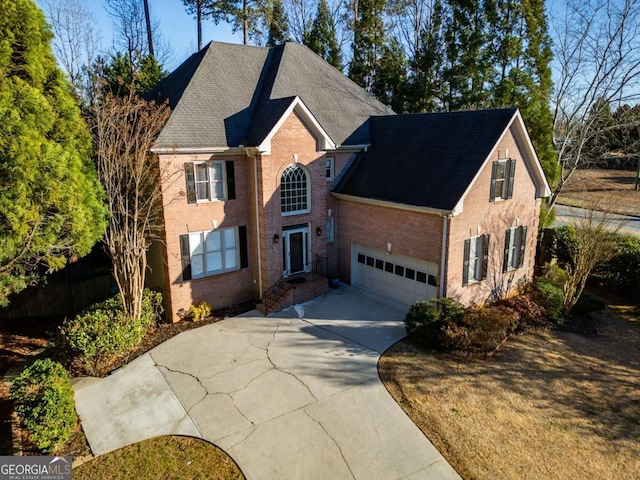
x=567, y=215
x=292, y=396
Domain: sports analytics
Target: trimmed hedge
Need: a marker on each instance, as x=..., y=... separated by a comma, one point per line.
x=425, y=320
x=44, y=398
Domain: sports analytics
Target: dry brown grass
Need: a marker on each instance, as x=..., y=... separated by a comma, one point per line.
x=172, y=458
x=616, y=186
x=550, y=405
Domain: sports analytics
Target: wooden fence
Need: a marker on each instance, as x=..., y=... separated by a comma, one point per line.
x=63, y=299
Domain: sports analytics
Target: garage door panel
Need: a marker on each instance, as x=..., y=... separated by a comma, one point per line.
x=403, y=278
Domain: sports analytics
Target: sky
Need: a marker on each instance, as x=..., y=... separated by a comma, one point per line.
x=176, y=25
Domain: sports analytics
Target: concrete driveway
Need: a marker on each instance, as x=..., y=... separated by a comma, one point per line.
x=285, y=397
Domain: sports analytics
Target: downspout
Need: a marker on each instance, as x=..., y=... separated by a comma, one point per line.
x=443, y=257
x=255, y=179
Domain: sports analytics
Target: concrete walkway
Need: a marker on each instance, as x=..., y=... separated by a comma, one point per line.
x=285, y=397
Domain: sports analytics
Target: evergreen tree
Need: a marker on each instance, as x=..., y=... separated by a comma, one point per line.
x=278, y=25
x=520, y=50
x=368, y=40
x=51, y=206
x=390, y=80
x=424, y=89
x=467, y=64
x=321, y=37
x=121, y=76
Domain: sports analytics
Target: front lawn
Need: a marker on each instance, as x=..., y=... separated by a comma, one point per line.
x=549, y=404
x=172, y=458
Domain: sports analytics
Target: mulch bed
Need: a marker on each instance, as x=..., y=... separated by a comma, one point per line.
x=19, y=340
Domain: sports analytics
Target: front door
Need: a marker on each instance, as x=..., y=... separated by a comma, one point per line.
x=295, y=250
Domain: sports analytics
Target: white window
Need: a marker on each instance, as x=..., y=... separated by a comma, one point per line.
x=294, y=190
x=330, y=168
x=331, y=227
x=209, y=253
x=476, y=258
x=514, y=248
x=502, y=177
x=205, y=181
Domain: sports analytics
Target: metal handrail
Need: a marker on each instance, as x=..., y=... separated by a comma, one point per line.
x=318, y=269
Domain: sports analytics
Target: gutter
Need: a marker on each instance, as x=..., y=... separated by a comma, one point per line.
x=255, y=179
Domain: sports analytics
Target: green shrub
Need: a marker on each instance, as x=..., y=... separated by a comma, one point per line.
x=103, y=329
x=588, y=302
x=199, y=312
x=551, y=298
x=622, y=272
x=44, y=398
x=425, y=320
x=480, y=330
x=554, y=275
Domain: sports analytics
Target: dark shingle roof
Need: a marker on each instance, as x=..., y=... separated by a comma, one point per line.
x=225, y=95
x=425, y=160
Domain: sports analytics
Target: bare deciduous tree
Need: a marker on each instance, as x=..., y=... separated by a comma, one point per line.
x=132, y=34
x=77, y=40
x=591, y=242
x=598, y=64
x=124, y=129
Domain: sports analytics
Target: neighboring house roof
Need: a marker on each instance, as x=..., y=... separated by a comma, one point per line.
x=431, y=160
x=228, y=95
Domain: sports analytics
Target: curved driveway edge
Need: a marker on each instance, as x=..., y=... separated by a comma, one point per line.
x=285, y=397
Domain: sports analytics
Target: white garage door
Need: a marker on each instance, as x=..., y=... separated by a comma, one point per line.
x=402, y=278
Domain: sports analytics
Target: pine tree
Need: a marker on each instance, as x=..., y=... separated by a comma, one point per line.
x=467, y=64
x=520, y=50
x=368, y=41
x=424, y=87
x=121, y=76
x=51, y=206
x=321, y=37
x=278, y=25
x=390, y=80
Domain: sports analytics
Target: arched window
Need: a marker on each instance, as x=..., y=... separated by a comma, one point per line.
x=294, y=190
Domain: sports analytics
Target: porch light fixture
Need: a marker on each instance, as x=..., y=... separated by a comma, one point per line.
x=388, y=248
x=276, y=238
x=319, y=231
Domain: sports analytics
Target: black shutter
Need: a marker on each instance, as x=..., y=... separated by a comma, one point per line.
x=494, y=174
x=511, y=164
x=231, y=180
x=465, y=267
x=484, y=240
x=244, y=255
x=523, y=244
x=186, y=258
x=507, y=239
x=189, y=175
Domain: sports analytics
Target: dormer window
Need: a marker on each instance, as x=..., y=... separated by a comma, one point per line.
x=502, y=176
x=294, y=190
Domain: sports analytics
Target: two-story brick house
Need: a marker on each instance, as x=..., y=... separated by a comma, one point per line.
x=277, y=169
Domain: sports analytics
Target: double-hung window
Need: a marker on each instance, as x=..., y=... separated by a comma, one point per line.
x=515, y=241
x=209, y=181
x=330, y=168
x=476, y=259
x=213, y=252
x=502, y=177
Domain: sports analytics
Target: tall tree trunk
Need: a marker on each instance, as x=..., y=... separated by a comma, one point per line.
x=147, y=19
x=245, y=22
x=199, y=20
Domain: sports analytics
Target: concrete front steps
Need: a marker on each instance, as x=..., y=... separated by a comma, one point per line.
x=297, y=293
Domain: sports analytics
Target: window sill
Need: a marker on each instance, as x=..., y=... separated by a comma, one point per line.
x=298, y=212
